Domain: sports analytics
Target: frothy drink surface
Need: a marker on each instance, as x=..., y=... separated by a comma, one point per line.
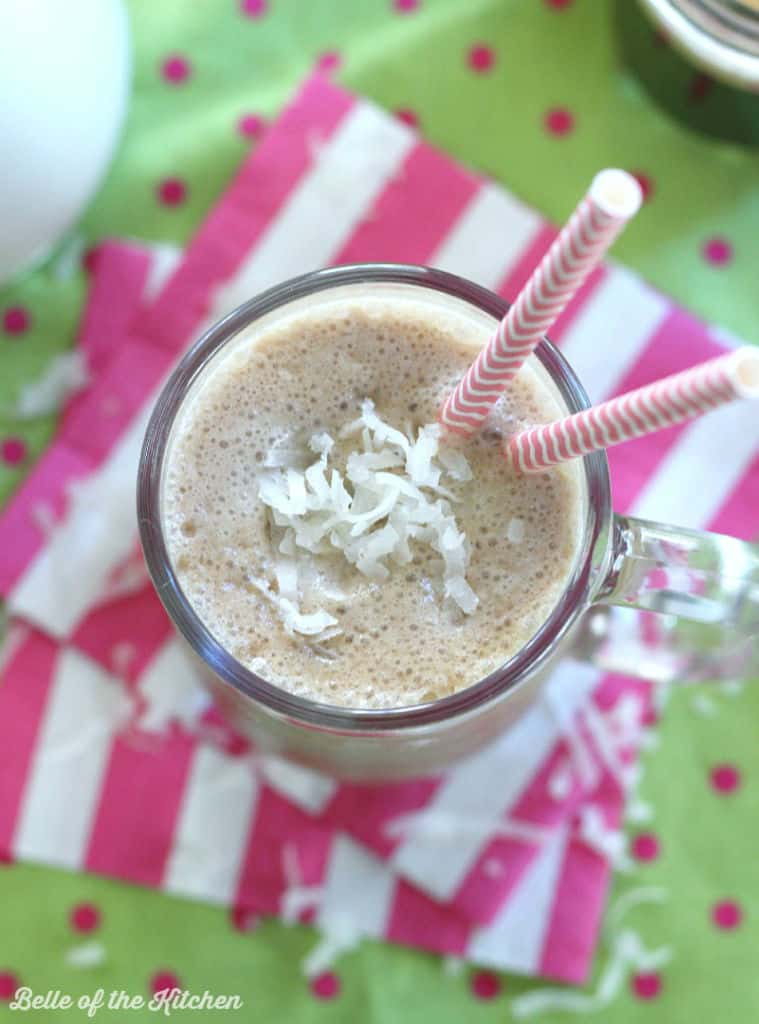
x=400, y=640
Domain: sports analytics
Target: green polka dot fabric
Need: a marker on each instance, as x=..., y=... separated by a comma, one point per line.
x=538, y=95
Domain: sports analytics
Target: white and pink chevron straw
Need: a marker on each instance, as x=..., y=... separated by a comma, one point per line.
x=643, y=411
x=612, y=199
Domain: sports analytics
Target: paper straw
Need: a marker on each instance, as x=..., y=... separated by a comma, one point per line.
x=613, y=197
x=643, y=411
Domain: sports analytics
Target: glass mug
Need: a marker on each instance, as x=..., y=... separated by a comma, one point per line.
x=620, y=561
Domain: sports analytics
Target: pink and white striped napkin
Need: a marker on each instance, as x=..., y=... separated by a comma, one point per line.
x=98, y=707
x=135, y=679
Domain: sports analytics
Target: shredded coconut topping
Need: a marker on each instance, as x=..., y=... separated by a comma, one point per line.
x=388, y=500
x=515, y=531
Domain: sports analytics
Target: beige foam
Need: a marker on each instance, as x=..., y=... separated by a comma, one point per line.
x=401, y=643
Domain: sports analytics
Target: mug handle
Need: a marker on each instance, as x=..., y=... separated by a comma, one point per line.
x=694, y=578
x=703, y=577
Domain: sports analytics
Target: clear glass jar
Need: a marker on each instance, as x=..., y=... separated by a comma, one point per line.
x=719, y=36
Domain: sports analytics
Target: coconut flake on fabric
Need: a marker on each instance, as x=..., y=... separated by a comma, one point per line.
x=610, y=843
x=627, y=954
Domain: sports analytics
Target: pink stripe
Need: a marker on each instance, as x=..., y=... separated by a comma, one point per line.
x=679, y=342
x=365, y=811
x=481, y=896
x=531, y=256
x=415, y=212
x=613, y=687
x=739, y=513
x=114, y=298
x=115, y=293
x=561, y=438
x=139, y=804
x=277, y=822
x=650, y=628
x=583, y=883
x=117, y=286
x=24, y=688
x=21, y=535
x=656, y=579
x=249, y=205
x=112, y=403
x=417, y=920
x=576, y=916
x=136, y=623
x=213, y=728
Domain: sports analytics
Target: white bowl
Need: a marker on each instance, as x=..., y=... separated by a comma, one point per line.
x=64, y=81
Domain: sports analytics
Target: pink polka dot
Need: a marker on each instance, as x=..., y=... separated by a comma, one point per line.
x=90, y=258
x=646, y=985
x=645, y=847
x=559, y=121
x=176, y=69
x=409, y=117
x=8, y=985
x=243, y=920
x=650, y=717
x=646, y=184
x=326, y=985
x=725, y=778
x=481, y=58
x=251, y=126
x=84, y=917
x=485, y=985
x=558, y=5
x=307, y=915
x=16, y=320
x=727, y=915
x=330, y=60
x=700, y=87
x=236, y=745
x=172, y=192
x=717, y=251
x=254, y=8
x=405, y=6
x=163, y=980
x=12, y=451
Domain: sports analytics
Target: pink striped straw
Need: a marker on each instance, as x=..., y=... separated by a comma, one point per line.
x=643, y=411
x=612, y=199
